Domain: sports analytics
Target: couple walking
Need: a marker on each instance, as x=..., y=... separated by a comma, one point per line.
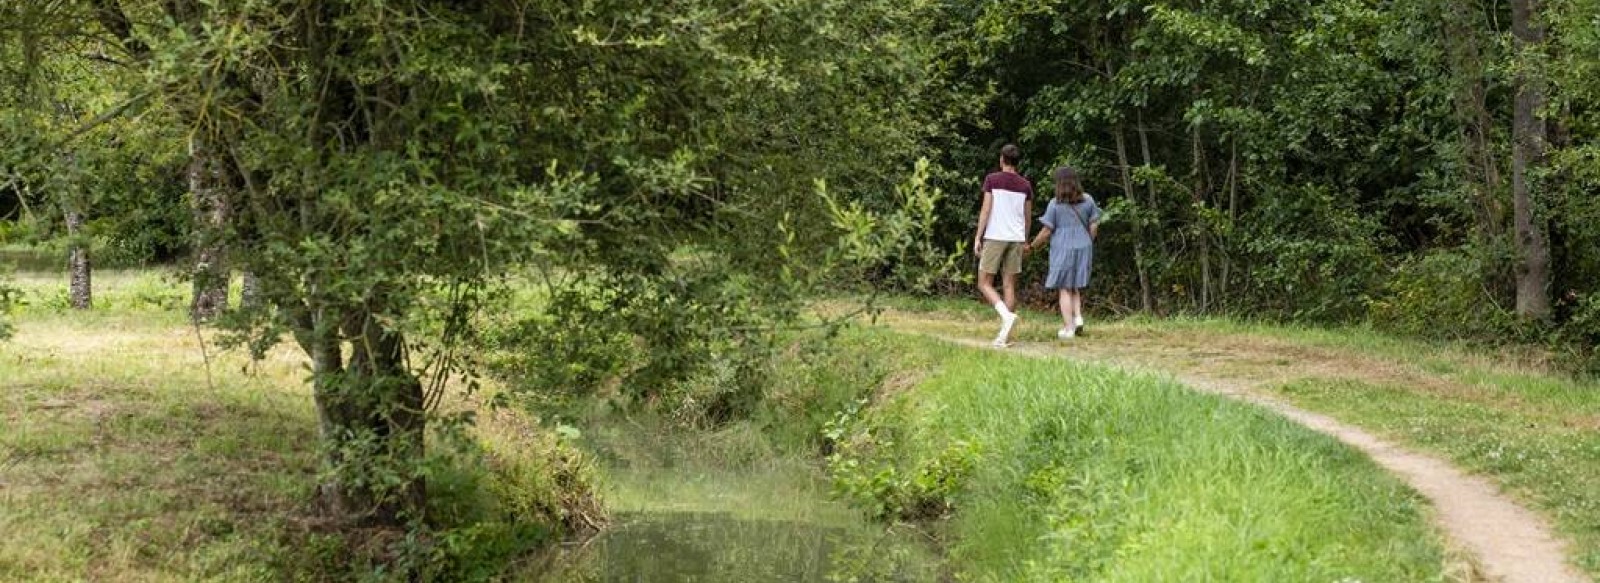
x=1069, y=225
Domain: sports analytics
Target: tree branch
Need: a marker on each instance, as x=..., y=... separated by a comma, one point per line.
x=115, y=21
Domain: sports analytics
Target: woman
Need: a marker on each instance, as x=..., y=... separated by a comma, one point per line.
x=1071, y=223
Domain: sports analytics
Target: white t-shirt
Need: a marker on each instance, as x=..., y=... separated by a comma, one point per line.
x=1007, y=219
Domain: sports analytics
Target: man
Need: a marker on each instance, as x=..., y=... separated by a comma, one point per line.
x=1002, y=231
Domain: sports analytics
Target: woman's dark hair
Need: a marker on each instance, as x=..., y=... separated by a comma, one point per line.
x=1010, y=155
x=1068, y=189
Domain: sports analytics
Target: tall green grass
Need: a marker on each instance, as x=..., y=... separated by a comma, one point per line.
x=1092, y=474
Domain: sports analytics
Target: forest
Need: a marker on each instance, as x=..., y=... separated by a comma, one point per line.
x=473, y=243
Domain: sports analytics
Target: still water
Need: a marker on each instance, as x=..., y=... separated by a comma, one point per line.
x=26, y=260
x=700, y=547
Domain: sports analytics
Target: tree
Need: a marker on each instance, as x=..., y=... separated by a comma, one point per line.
x=1529, y=137
x=384, y=166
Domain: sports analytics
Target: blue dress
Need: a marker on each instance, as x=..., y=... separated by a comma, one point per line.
x=1071, y=247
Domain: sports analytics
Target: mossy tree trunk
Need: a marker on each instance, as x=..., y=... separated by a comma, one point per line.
x=79, y=289
x=208, y=186
x=371, y=414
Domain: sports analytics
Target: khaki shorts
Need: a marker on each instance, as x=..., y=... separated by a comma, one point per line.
x=1001, y=255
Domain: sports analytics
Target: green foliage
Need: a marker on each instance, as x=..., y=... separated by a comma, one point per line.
x=9, y=296
x=864, y=470
x=896, y=244
x=1581, y=335
x=386, y=165
x=1312, y=257
x=1440, y=295
x=497, y=494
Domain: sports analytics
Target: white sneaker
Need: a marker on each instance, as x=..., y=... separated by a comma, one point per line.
x=1007, y=322
x=1066, y=333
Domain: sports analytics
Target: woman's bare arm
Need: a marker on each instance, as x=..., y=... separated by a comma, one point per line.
x=1044, y=237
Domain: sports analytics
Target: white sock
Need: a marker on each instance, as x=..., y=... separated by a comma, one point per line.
x=1077, y=320
x=1002, y=309
x=1007, y=321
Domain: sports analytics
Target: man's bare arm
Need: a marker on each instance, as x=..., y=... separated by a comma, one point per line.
x=983, y=222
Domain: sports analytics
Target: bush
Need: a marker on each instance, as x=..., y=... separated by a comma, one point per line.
x=9, y=296
x=1443, y=296
x=497, y=490
x=1579, y=338
x=694, y=343
x=1314, y=257
x=867, y=468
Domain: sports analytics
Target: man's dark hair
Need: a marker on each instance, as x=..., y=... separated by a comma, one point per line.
x=1010, y=155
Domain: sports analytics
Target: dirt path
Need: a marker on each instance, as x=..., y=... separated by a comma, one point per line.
x=1506, y=541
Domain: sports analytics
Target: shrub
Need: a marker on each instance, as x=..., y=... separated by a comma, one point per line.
x=9, y=296
x=867, y=468
x=1440, y=295
x=1579, y=338
x=497, y=491
x=1313, y=256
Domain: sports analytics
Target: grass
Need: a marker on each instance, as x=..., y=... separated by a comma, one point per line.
x=120, y=461
x=123, y=292
x=1505, y=413
x=122, y=457
x=1538, y=437
x=1087, y=473
x=1441, y=356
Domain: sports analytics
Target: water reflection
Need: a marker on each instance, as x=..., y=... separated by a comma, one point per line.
x=660, y=547
x=26, y=260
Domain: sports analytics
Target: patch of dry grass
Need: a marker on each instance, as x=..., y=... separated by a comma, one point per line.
x=120, y=461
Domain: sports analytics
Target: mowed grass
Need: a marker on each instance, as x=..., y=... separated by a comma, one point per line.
x=120, y=460
x=1538, y=437
x=1088, y=473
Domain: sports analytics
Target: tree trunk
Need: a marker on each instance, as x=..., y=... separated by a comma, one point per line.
x=1233, y=211
x=1528, y=153
x=1151, y=198
x=1138, y=224
x=249, y=290
x=1199, y=206
x=371, y=419
x=208, y=185
x=79, y=290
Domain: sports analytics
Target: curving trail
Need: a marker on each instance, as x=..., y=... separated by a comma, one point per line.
x=1506, y=542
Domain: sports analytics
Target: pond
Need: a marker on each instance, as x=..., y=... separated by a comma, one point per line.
x=687, y=513
x=646, y=547
x=30, y=260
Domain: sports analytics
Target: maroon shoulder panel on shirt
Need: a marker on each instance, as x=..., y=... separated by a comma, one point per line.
x=1007, y=181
